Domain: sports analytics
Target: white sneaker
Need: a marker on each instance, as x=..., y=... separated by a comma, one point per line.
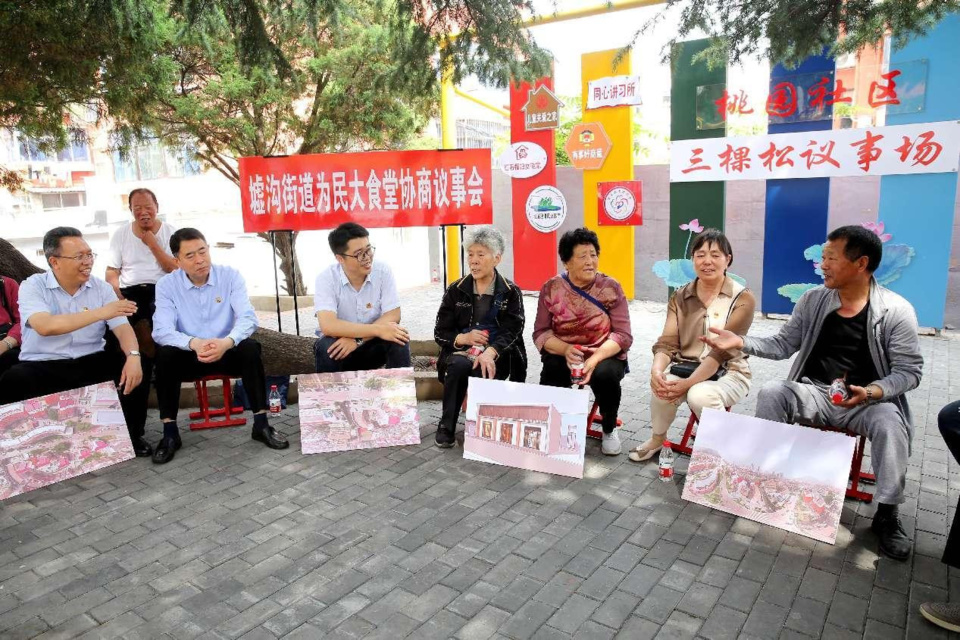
x=610, y=445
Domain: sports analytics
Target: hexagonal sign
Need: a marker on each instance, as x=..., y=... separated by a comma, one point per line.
x=588, y=146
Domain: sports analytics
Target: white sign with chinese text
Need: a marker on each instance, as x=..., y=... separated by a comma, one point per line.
x=928, y=147
x=613, y=91
x=523, y=160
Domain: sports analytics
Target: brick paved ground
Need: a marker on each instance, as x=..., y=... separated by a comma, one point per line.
x=234, y=540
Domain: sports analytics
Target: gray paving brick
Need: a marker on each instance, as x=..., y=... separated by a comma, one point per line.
x=765, y=620
x=780, y=589
x=638, y=629
x=658, y=604
x=293, y=616
x=807, y=616
x=889, y=607
x=818, y=585
x=484, y=624
x=525, y=622
x=699, y=600
x=722, y=623
x=519, y=591
x=615, y=609
x=741, y=594
x=680, y=576
x=680, y=626
x=574, y=612
x=641, y=580
x=848, y=612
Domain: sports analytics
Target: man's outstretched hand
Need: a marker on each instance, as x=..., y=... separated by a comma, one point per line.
x=723, y=340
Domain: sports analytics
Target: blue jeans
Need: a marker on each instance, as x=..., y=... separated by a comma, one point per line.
x=372, y=354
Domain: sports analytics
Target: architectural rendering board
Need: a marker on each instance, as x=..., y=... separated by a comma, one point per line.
x=526, y=426
x=62, y=435
x=358, y=410
x=783, y=475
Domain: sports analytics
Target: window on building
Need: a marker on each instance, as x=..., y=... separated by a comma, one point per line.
x=63, y=200
x=152, y=160
x=77, y=149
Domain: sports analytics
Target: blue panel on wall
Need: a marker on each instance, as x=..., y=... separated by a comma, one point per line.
x=796, y=210
x=918, y=210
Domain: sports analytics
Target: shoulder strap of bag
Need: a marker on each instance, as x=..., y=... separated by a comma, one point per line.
x=586, y=295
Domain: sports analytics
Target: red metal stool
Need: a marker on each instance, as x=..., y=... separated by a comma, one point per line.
x=684, y=447
x=596, y=418
x=206, y=413
x=857, y=476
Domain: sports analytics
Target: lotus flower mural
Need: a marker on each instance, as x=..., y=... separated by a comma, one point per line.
x=678, y=272
x=896, y=257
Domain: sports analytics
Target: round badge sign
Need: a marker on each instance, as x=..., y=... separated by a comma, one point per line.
x=620, y=203
x=523, y=160
x=546, y=209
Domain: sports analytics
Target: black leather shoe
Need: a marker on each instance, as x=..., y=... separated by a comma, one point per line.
x=893, y=539
x=445, y=438
x=142, y=448
x=165, y=450
x=270, y=437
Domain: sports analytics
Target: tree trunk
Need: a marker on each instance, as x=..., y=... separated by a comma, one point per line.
x=286, y=243
x=14, y=264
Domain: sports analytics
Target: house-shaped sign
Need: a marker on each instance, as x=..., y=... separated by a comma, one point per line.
x=542, y=110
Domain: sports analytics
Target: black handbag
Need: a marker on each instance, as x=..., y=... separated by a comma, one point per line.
x=685, y=368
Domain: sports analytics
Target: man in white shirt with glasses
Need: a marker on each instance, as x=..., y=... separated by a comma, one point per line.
x=65, y=313
x=358, y=308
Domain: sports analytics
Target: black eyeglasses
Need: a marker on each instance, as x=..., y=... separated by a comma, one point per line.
x=363, y=254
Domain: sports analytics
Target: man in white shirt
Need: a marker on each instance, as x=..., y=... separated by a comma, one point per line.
x=65, y=312
x=139, y=256
x=358, y=308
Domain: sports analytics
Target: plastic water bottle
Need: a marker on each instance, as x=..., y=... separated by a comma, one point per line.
x=274, y=399
x=666, y=462
x=838, y=390
x=576, y=370
x=477, y=349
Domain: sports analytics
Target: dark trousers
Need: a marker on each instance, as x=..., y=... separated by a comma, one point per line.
x=455, y=380
x=949, y=421
x=8, y=359
x=176, y=366
x=32, y=379
x=372, y=354
x=605, y=383
x=142, y=322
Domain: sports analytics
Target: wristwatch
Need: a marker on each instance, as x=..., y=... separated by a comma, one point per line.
x=869, y=391
x=359, y=341
x=133, y=352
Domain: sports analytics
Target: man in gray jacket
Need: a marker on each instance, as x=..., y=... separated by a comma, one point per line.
x=852, y=329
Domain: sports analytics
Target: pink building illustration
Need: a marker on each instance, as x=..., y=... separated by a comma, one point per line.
x=526, y=427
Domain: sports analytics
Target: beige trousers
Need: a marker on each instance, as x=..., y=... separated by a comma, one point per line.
x=725, y=392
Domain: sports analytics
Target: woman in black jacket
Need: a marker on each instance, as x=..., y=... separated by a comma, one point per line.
x=479, y=328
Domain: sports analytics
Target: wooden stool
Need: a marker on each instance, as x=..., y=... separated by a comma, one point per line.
x=596, y=418
x=684, y=447
x=857, y=476
x=206, y=413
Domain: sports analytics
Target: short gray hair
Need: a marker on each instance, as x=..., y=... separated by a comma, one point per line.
x=486, y=235
x=51, y=241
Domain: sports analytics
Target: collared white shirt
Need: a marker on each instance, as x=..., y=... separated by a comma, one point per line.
x=220, y=308
x=377, y=295
x=41, y=293
x=136, y=262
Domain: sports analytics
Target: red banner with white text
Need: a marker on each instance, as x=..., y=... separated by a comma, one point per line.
x=374, y=189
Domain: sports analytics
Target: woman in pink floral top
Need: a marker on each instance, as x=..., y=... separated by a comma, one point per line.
x=571, y=329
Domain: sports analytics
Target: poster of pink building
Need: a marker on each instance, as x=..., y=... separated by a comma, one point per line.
x=787, y=476
x=358, y=410
x=59, y=436
x=526, y=426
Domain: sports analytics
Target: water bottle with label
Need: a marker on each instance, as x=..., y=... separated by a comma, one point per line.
x=576, y=369
x=838, y=390
x=274, y=399
x=666, y=462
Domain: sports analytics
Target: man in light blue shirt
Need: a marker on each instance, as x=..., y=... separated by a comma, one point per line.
x=358, y=308
x=65, y=313
x=202, y=327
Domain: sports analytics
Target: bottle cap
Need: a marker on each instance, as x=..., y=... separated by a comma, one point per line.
x=837, y=398
x=273, y=387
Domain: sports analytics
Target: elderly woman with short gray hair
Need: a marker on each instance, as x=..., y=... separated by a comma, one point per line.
x=479, y=328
